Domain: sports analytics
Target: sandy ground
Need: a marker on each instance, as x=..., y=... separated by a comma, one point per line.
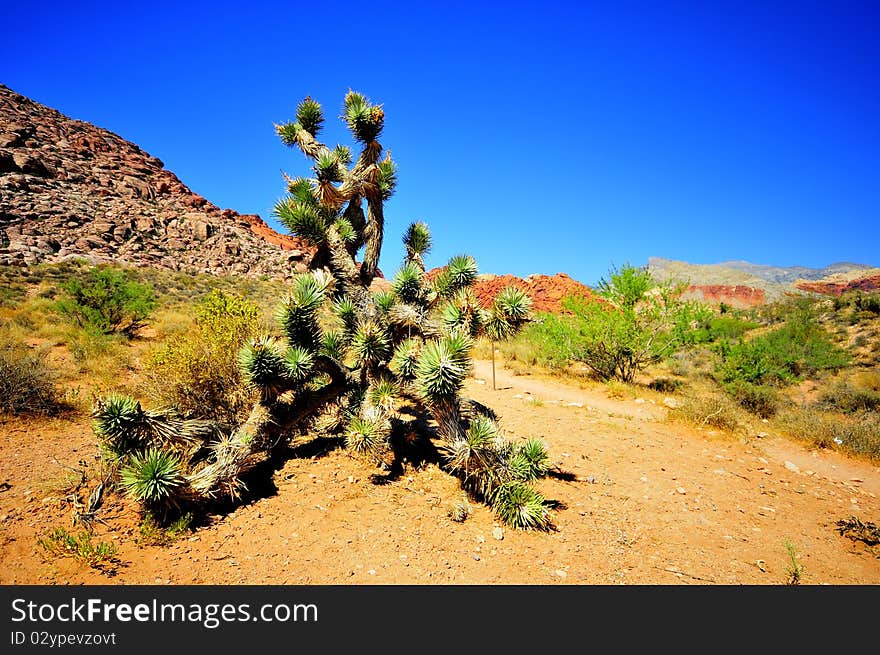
x=643, y=501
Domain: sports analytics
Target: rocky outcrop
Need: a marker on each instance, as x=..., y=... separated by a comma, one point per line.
x=70, y=189
x=738, y=297
x=546, y=291
x=836, y=285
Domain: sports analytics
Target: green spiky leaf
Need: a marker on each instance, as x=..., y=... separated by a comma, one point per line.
x=333, y=344
x=302, y=219
x=367, y=435
x=417, y=239
x=442, y=368
x=382, y=394
x=346, y=230
x=462, y=271
x=326, y=166
x=343, y=155
x=310, y=116
x=520, y=506
x=346, y=312
x=298, y=363
x=262, y=365
x=301, y=189
x=153, y=476
x=514, y=304
x=387, y=178
x=406, y=358
x=384, y=300
x=407, y=283
x=364, y=120
x=289, y=133
x=370, y=343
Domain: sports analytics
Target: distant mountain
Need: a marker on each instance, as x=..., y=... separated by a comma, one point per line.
x=743, y=284
x=70, y=189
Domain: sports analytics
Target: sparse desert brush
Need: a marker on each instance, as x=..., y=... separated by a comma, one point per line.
x=846, y=397
x=61, y=543
x=858, y=434
x=709, y=410
x=761, y=400
x=27, y=381
x=198, y=372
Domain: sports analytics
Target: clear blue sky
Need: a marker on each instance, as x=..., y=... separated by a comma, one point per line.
x=539, y=137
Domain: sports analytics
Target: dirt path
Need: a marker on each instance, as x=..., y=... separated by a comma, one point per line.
x=648, y=502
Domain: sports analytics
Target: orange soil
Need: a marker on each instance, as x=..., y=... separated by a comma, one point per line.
x=648, y=502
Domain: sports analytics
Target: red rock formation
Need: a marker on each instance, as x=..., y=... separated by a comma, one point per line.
x=737, y=296
x=546, y=291
x=830, y=287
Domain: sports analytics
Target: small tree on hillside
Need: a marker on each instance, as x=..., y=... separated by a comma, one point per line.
x=631, y=330
x=347, y=360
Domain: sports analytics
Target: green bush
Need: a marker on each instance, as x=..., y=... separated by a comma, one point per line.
x=27, y=382
x=799, y=347
x=548, y=342
x=105, y=299
x=757, y=399
x=847, y=398
x=198, y=373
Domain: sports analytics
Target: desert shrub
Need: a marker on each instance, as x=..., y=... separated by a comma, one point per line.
x=859, y=434
x=548, y=342
x=757, y=399
x=61, y=543
x=105, y=299
x=27, y=382
x=715, y=411
x=198, y=373
x=665, y=385
x=850, y=399
x=799, y=347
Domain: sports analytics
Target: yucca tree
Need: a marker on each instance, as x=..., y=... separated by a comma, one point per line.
x=346, y=358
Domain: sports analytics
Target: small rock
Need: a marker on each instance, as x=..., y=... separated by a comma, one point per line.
x=643, y=479
x=476, y=558
x=372, y=571
x=498, y=533
x=639, y=401
x=762, y=435
x=561, y=573
x=681, y=490
x=791, y=466
x=671, y=403
x=591, y=479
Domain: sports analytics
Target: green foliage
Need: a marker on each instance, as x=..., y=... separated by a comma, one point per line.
x=154, y=533
x=850, y=399
x=310, y=116
x=27, y=382
x=263, y=366
x=80, y=547
x=530, y=460
x=799, y=347
x=370, y=343
x=626, y=286
x=198, y=372
x=364, y=119
x=153, y=477
x=417, y=240
x=407, y=283
x=442, y=367
x=760, y=400
x=520, y=506
x=618, y=343
x=107, y=300
x=405, y=360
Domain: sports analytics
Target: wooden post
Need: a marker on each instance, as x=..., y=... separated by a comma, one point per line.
x=493, y=366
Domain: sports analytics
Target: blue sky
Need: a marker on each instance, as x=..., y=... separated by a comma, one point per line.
x=539, y=137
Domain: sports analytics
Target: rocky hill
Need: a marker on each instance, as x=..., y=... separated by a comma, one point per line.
x=70, y=189
x=742, y=284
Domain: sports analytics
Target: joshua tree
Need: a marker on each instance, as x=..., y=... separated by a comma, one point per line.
x=348, y=358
